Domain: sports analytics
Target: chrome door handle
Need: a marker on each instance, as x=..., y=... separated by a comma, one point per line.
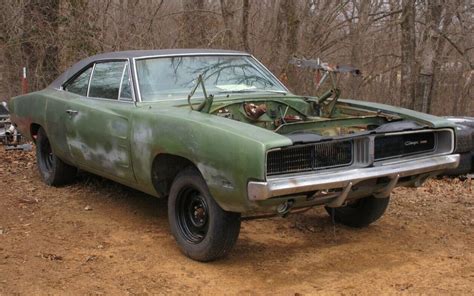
x=71, y=112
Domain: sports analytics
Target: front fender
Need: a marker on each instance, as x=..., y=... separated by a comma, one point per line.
x=228, y=153
x=423, y=118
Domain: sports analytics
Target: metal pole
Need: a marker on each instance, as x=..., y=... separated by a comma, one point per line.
x=24, y=82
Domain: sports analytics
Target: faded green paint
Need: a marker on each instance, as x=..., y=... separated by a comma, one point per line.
x=120, y=140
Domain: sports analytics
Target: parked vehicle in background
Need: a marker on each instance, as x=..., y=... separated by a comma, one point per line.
x=9, y=135
x=464, y=145
x=218, y=135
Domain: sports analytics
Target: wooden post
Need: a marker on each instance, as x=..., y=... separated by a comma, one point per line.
x=24, y=82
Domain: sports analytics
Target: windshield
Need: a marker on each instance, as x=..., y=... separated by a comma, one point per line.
x=174, y=77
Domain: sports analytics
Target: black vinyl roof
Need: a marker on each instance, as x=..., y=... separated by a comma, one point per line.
x=134, y=54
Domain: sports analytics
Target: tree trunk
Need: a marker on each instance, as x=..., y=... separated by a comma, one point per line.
x=193, y=26
x=432, y=52
x=393, y=81
x=228, y=9
x=286, y=37
x=277, y=44
x=358, y=32
x=408, y=51
x=245, y=25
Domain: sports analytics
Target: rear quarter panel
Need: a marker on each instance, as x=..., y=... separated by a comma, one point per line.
x=47, y=109
x=28, y=109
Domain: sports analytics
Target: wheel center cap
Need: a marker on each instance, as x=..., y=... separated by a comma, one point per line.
x=199, y=216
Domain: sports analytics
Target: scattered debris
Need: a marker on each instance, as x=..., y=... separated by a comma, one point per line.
x=91, y=258
x=9, y=135
x=403, y=287
x=51, y=257
x=27, y=200
x=25, y=147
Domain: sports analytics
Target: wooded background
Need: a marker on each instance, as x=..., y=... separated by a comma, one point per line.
x=416, y=54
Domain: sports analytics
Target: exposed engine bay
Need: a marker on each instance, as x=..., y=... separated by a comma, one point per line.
x=306, y=119
x=297, y=116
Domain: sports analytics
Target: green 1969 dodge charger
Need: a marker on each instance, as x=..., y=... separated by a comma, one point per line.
x=222, y=139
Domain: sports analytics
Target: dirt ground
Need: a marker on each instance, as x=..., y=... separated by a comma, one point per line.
x=98, y=237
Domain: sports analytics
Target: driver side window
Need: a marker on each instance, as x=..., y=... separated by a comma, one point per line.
x=106, y=78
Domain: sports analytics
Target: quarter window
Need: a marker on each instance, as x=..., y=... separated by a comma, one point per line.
x=105, y=82
x=80, y=83
x=125, y=91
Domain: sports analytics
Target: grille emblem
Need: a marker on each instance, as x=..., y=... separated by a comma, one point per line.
x=414, y=143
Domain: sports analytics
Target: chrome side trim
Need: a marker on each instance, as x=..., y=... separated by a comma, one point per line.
x=281, y=186
x=90, y=79
x=135, y=80
x=121, y=81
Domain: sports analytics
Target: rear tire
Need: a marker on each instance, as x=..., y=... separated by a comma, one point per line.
x=465, y=165
x=53, y=170
x=202, y=229
x=361, y=213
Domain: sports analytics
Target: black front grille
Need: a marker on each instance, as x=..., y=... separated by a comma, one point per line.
x=309, y=157
x=404, y=144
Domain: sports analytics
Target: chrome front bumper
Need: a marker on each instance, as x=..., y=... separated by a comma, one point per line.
x=345, y=179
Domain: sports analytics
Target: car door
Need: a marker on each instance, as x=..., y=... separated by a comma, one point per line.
x=98, y=125
x=57, y=118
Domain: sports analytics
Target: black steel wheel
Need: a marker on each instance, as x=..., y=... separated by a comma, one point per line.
x=202, y=229
x=52, y=169
x=47, y=157
x=192, y=214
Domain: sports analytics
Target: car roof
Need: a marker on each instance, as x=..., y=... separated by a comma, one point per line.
x=129, y=54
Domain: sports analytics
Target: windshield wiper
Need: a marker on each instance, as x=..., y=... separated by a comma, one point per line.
x=205, y=106
x=251, y=91
x=275, y=91
x=235, y=91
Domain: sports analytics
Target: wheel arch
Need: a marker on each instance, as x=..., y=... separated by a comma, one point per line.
x=34, y=128
x=164, y=169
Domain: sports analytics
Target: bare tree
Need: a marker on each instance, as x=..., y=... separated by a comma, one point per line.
x=408, y=51
x=438, y=19
x=245, y=24
x=193, y=24
x=419, y=54
x=229, y=9
x=40, y=18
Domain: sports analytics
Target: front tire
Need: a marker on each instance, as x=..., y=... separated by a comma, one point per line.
x=202, y=229
x=53, y=170
x=361, y=212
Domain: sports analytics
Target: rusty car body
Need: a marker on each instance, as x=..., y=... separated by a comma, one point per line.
x=239, y=145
